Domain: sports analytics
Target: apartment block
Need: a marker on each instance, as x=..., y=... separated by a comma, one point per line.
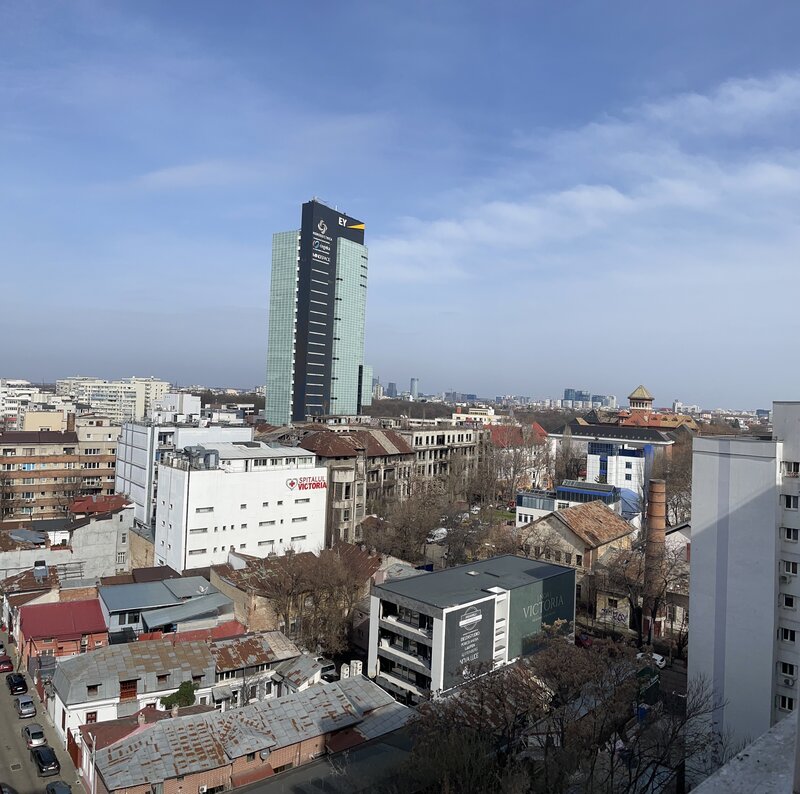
x=120, y=400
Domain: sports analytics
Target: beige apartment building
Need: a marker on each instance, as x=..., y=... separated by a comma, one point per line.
x=120, y=400
x=41, y=472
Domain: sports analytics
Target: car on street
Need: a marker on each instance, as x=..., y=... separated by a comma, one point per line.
x=6, y=665
x=25, y=706
x=16, y=683
x=656, y=658
x=33, y=735
x=45, y=761
x=58, y=787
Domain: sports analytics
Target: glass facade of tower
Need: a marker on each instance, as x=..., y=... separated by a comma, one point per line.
x=281, y=342
x=318, y=300
x=348, y=326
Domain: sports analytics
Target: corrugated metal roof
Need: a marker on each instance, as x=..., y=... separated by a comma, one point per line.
x=187, y=745
x=189, y=586
x=63, y=620
x=185, y=610
x=139, y=595
x=254, y=649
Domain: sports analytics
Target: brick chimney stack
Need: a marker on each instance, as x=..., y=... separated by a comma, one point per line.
x=70, y=423
x=654, y=549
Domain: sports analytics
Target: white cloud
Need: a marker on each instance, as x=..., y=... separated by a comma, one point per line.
x=206, y=174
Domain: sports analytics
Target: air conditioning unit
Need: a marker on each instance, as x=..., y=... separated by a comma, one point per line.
x=786, y=578
x=202, y=789
x=788, y=681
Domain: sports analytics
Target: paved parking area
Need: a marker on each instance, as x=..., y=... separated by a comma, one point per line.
x=16, y=767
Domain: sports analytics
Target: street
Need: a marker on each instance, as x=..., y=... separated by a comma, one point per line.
x=16, y=767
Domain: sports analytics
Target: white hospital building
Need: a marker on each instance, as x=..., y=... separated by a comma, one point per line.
x=244, y=496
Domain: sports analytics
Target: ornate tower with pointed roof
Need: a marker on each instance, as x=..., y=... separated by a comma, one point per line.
x=640, y=399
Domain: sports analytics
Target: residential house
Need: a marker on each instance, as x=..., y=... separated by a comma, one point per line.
x=60, y=630
x=216, y=752
x=576, y=536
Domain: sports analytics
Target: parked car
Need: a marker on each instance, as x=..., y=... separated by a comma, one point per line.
x=328, y=669
x=437, y=535
x=25, y=706
x=45, y=761
x=16, y=683
x=656, y=658
x=58, y=787
x=6, y=665
x=33, y=735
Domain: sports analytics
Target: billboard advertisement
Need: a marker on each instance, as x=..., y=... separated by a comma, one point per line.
x=468, y=640
x=536, y=605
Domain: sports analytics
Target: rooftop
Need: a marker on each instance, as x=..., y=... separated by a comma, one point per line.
x=593, y=522
x=375, y=443
x=464, y=583
x=640, y=393
x=198, y=743
x=67, y=620
x=244, y=450
x=17, y=437
x=607, y=432
x=191, y=608
x=138, y=595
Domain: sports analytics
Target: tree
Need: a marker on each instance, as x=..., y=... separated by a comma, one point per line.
x=183, y=696
x=569, y=459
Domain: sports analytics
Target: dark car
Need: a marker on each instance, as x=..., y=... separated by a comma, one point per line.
x=58, y=787
x=6, y=665
x=17, y=684
x=45, y=761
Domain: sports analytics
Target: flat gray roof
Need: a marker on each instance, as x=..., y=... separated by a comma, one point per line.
x=140, y=595
x=193, y=608
x=189, y=586
x=454, y=586
x=232, y=450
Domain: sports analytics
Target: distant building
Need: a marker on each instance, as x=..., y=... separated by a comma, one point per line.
x=318, y=297
x=243, y=496
x=534, y=504
x=391, y=390
x=120, y=400
x=428, y=632
x=414, y=388
x=477, y=415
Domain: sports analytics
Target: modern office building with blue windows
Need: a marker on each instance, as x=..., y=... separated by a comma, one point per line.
x=317, y=310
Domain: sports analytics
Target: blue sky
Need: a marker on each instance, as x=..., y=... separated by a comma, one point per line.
x=556, y=194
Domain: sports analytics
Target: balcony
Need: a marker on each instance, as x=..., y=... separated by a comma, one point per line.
x=417, y=663
x=395, y=682
x=393, y=623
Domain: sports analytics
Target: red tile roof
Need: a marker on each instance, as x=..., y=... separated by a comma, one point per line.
x=68, y=620
x=221, y=632
x=98, y=504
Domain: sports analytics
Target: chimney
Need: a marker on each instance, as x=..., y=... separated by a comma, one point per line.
x=173, y=712
x=70, y=423
x=654, y=549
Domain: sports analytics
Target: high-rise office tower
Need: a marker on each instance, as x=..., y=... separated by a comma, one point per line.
x=391, y=390
x=317, y=308
x=414, y=388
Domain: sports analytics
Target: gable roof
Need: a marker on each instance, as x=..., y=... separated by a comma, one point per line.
x=593, y=522
x=374, y=443
x=580, y=429
x=65, y=620
x=254, y=649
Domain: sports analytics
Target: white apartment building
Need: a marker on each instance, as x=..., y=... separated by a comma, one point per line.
x=131, y=398
x=744, y=635
x=246, y=496
x=142, y=445
x=14, y=397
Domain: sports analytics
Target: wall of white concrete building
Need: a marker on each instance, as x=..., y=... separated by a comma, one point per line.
x=623, y=471
x=203, y=514
x=735, y=617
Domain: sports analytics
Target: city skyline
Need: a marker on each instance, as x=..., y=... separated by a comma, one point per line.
x=524, y=187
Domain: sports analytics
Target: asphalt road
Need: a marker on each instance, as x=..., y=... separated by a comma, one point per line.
x=16, y=767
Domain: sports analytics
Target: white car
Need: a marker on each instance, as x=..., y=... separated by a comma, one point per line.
x=657, y=659
x=437, y=536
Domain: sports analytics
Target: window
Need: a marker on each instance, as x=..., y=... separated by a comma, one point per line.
x=265, y=504
x=628, y=477
x=577, y=591
x=628, y=465
x=162, y=678
x=244, y=526
x=280, y=501
x=790, y=567
x=266, y=523
x=788, y=601
x=790, y=502
x=299, y=519
x=788, y=635
x=128, y=618
x=791, y=534
x=197, y=679
x=302, y=501
x=194, y=552
x=613, y=603
x=123, y=538
x=202, y=509
x=784, y=704
x=788, y=669
x=122, y=556
x=198, y=531
x=92, y=689
x=791, y=468
x=579, y=560
x=127, y=690
x=568, y=558
x=251, y=757
x=243, y=507
x=298, y=538
x=266, y=543
x=91, y=717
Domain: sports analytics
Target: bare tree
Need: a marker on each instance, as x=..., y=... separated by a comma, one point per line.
x=569, y=459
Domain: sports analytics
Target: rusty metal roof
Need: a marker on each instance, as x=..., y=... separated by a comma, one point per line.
x=265, y=647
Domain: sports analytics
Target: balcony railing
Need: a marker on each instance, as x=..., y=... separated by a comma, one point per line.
x=403, y=656
x=402, y=683
x=393, y=619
